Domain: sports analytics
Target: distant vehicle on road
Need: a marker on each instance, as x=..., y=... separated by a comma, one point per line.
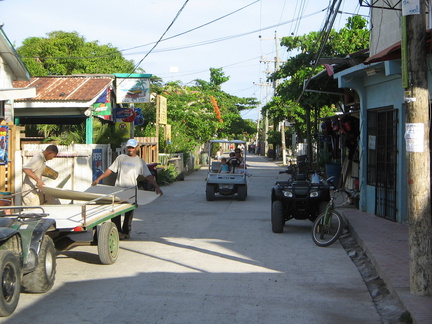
x=225, y=183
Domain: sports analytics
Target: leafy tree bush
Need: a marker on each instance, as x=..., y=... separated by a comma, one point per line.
x=67, y=53
x=196, y=113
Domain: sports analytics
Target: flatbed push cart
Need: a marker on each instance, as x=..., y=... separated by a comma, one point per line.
x=89, y=223
x=29, y=235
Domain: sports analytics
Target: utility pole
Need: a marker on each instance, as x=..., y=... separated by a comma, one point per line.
x=418, y=152
x=258, y=121
x=266, y=125
x=275, y=85
x=277, y=66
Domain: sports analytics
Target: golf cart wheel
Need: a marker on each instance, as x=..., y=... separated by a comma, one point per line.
x=241, y=192
x=210, y=192
x=277, y=217
x=10, y=274
x=42, y=278
x=108, y=243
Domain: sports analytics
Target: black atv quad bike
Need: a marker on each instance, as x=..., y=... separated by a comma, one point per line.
x=302, y=196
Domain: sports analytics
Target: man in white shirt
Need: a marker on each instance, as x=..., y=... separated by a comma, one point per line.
x=33, y=171
x=128, y=168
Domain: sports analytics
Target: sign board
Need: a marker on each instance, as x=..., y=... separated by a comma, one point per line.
x=161, y=106
x=124, y=127
x=414, y=137
x=411, y=7
x=132, y=90
x=372, y=142
x=167, y=134
x=4, y=143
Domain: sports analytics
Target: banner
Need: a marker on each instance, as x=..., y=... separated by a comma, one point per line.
x=139, y=118
x=97, y=164
x=102, y=106
x=4, y=143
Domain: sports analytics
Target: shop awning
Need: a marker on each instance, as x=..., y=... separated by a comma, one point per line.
x=393, y=52
x=390, y=53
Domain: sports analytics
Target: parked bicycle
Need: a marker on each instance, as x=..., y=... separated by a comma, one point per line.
x=329, y=225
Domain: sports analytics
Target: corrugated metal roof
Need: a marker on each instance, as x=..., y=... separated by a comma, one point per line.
x=77, y=88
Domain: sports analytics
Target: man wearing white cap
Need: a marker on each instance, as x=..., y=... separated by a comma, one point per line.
x=128, y=168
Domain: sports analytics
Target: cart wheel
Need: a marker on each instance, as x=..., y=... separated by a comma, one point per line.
x=108, y=243
x=42, y=278
x=210, y=192
x=241, y=192
x=10, y=274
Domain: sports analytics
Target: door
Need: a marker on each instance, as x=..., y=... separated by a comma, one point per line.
x=382, y=159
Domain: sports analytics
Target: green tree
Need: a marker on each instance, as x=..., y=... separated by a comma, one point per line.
x=293, y=73
x=67, y=53
x=196, y=113
x=194, y=119
x=305, y=107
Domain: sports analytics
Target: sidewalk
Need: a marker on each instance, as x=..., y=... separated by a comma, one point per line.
x=386, y=244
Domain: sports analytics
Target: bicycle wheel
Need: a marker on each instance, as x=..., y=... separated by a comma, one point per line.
x=326, y=230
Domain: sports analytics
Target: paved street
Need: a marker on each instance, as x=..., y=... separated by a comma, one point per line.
x=193, y=261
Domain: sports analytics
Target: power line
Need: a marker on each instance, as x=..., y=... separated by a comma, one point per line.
x=160, y=39
x=230, y=37
x=333, y=11
x=195, y=28
x=181, y=47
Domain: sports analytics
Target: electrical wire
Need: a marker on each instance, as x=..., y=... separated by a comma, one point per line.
x=195, y=28
x=160, y=39
x=333, y=11
x=227, y=37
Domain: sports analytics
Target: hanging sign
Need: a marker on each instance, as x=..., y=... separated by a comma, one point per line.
x=132, y=90
x=125, y=114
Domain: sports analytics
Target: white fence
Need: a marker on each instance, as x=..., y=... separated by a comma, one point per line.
x=77, y=165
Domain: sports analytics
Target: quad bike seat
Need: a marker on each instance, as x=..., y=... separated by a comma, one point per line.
x=6, y=222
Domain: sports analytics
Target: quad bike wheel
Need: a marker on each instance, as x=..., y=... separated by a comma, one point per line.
x=10, y=275
x=42, y=278
x=277, y=217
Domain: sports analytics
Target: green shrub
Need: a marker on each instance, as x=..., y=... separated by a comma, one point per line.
x=167, y=175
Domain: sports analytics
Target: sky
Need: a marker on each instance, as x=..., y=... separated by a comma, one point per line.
x=235, y=35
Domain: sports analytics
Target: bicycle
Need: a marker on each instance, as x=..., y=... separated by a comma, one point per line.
x=328, y=226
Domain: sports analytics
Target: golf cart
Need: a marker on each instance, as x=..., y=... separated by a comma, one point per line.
x=225, y=183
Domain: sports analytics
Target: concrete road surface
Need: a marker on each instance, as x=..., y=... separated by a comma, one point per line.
x=193, y=261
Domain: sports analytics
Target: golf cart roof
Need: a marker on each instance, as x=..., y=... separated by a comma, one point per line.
x=226, y=141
